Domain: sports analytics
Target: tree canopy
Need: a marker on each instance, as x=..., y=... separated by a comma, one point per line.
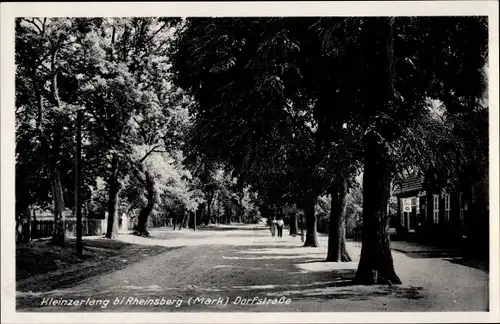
x=307, y=95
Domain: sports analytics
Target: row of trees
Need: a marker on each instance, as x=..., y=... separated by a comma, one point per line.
x=295, y=107
x=251, y=113
x=114, y=72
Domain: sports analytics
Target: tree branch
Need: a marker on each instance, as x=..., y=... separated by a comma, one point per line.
x=55, y=90
x=43, y=25
x=153, y=51
x=39, y=98
x=156, y=32
x=136, y=172
x=32, y=22
x=153, y=150
x=112, y=50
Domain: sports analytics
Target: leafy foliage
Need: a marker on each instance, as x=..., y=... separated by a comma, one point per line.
x=135, y=122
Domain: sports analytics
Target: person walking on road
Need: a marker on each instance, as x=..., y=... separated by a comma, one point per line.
x=273, y=227
x=280, y=225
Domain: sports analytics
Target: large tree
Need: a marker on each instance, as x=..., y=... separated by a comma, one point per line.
x=395, y=65
x=126, y=79
x=47, y=60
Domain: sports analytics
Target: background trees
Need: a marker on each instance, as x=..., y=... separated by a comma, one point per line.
x=134, y=122
x=268, y=130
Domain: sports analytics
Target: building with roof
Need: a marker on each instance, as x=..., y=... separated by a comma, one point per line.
x=431, y=215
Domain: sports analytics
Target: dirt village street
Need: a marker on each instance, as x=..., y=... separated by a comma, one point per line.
x=242, y=268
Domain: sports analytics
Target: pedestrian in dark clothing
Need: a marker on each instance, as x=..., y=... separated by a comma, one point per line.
x=273, y=227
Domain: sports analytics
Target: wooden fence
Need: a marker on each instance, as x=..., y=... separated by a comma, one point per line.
x=45, y=228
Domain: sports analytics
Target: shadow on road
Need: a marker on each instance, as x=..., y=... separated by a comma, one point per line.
x=230, y=228
x=288, y=271
x=471, y=263
x=430, y=255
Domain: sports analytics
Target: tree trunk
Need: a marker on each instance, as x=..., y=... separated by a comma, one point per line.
x=293, y=224
x=185, y=219
x=311, y=234
x=240, y=210
x=218, y=215
x=209, y=209
x=38, y=93
x=58, y=236
x=376, y=264
x=195, y=220
x=181, y=223
x=336, y=238
x=113, y=191
x=190, y=220
x=140, y=229
x=78, y=181
x=302, y=222
x=200, y=214
x=27, y=226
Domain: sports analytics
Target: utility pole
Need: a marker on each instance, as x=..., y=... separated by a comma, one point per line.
x=78, y=166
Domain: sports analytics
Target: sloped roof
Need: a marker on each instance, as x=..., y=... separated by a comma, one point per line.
x=410, y=184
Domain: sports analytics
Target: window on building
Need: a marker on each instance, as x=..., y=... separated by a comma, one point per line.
x=447, y=206
x=436, y=209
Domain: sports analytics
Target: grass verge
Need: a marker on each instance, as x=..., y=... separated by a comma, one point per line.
x=41, y=266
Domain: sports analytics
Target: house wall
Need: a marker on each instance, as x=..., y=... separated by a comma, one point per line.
x=470, y=234
x=446, y=230
x=426, y=230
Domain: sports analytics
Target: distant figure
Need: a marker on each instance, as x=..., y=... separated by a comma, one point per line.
x=273, y=227
x=280, y=224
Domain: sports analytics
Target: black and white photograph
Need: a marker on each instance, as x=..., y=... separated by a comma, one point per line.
x=215, y=162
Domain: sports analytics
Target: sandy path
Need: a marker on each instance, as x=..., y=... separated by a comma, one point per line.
x=247, y=263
